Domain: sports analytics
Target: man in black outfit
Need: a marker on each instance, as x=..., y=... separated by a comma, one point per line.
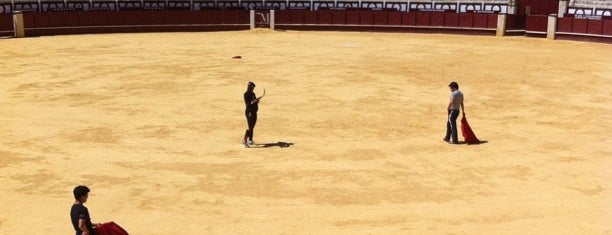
x=79, y=213
x=252, y=105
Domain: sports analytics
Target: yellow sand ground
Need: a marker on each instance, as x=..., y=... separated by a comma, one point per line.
x=152, y=123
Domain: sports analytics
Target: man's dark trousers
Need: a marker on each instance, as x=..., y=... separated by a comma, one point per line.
x=451, y=126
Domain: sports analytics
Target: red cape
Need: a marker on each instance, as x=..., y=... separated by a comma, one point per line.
x=110, y=228
x=468, y=134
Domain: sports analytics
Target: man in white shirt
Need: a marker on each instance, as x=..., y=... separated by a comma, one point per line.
x=456, y=101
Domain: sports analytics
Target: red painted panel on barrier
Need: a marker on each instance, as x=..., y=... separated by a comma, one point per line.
x=29, y=20
x=352, y=17
x=213, y=17
x=515, y=22
x=41, y=20
x=149, y=17
x=310, y=17
x=325, y=16
x=580, y=25
x=71, y=18
x=492, y=21
x=159, y=17
x=126, y=18
x=366, y=17
x=231, y=17
x=114, y=18
x=451, y=19
x=607, y=27
x=408, y=18
x=339, y=17
x=436, y=19
x=130, y=18
x=174, y=17
x=200, y=17
x=565, y=24
x=297, y=16
x=536, y=23
x=189, y=17
x=288, y=16
x=95, y=17
x=283, y=16
x=380, y=18
x=6, y=22
x=595, y=27
x=244, y=17
x=193, y=17
x=480, y=21
x=466, y=20
x=422, y=18
x=395, y=18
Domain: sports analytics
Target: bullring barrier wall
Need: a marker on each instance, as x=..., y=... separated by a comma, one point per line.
x=80, y=22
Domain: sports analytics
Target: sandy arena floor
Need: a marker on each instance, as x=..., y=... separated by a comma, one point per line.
x=152, y=123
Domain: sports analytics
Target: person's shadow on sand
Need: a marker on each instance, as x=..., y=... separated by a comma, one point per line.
x=267, y=145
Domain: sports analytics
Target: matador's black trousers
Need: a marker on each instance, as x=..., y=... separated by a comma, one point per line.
x=251, y=120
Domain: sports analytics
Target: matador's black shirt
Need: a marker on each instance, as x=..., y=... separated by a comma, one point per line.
x=79, y=211
x=248, y=97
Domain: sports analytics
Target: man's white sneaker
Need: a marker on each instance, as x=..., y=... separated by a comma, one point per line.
x=251, y=142
x=245, y=144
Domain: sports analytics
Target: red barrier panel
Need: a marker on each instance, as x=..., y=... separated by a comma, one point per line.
x=492, y=21
x=352, y=17
x=283, y=17
x=514, y=22
x=113, y=18
x=580, y=25
x=213, y=17
x=297, y=16
x=466, y=20
x=451, y=19
x=101, y=18
x=6, y=22
x=174, y=17
x=325, y=17
x=565, y=24
x=480, y=21
x=187, y=17
x=436, y=19
x=162, y=17
x=395, y=18
x=190, y=17
x=311, y=17
x=339, y=17
x=536, y=23
x=200, y=17
x=408, y=18
x=143, y=18
x=231, y=17
x=47, y=19
x=121, y=18
x=422, y=19
x=595, y=27
x=380, y=18
x=71, y=18
x=607, y=27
